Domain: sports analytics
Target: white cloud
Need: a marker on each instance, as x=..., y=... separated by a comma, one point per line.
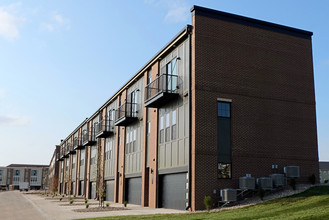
x=56, y=22
x=178, y=10
x=177, y=14
x=13, y=120
x=9, y=21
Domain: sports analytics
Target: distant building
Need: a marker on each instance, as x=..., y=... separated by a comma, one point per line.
x=324, y=171
x=13, y=174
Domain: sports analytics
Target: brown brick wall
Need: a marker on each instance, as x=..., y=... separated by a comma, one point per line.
x=269, y=77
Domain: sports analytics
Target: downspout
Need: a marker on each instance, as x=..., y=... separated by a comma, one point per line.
x=189, y=30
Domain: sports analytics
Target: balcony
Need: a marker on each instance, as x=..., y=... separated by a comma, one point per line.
x=88, y=138
x=77, y=144
x=71, y=149
x=104, y=128
x=126, y=114
x=161, y=90
x=62, y=153
x=67, y=150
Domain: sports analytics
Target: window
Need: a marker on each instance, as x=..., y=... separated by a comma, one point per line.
x=161, y=130
x=34, y=172
x=173, y=126
x=171, y=70
x=167, y=127
x=82, y=158
x=1, y=172
x=149, y=76
x=0, y=178
x=131, y=145
x=224, y=140
x=108, y=149
x=17, y=172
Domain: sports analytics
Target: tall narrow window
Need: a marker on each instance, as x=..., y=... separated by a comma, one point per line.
x=161, y=130
x=168, y=127
x=224, y=140
x=173, y=125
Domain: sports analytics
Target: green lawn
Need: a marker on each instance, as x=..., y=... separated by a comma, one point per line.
x=311, y=204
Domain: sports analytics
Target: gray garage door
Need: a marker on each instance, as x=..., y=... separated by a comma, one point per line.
x=133, y=190
x=173, y=191
x=110, y=190
x=93, y=190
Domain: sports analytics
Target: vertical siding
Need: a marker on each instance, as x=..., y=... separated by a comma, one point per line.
x=174, y=153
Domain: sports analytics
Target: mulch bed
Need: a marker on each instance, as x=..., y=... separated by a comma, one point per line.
x=77, y=203
x=100, y=209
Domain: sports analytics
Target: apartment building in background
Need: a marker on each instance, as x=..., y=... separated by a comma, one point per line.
x=324, y=171
x=53, y=171
x=226, y=97
x=35, y=175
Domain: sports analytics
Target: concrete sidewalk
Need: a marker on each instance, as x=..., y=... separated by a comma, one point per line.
x=53, y=209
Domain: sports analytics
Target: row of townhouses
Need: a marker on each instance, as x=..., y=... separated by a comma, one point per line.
x=226, y=97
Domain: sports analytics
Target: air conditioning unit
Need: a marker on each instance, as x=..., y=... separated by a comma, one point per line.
x=265, y=183
x=247, y=183
x=228, y=195
x=278, y=179
x=292, y=171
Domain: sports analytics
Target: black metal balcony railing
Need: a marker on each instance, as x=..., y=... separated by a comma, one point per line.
x=62, y=153
x=125, y=114
x=104, y=128
x=58, y=157
x=161, y=90
x=77, y=143
x=67, y=150
x=71, y=149
x=88, y=137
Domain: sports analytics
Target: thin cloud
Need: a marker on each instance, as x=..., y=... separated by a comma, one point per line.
x=177, y=14
x=9, y=21
x=13, y=120
x=177, y=10
x=56, y=22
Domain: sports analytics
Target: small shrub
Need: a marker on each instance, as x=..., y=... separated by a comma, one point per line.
x=71, y=201
x=125, y=203
x=62, y=196
x=87, y=205
x=326, y=181
x=60, y=199
x=261, y=193
x=312, y=179
x=86, y=201
x=207, y=201
x=107, y=204
x=292, y=183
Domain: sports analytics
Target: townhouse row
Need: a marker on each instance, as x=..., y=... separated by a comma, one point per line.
x=226, y=97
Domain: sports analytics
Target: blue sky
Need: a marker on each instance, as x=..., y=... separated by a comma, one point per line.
x=61, y=60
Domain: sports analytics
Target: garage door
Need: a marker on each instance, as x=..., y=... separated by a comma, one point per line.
x=93, y=190
x=173, y=191
x=133, y=190
x=110, y=190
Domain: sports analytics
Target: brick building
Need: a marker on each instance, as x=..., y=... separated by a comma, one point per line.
x=227, y=96
x=35, y=175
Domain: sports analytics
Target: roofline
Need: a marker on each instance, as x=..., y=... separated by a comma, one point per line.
x=186, y=30
x=75, y=130
x=198, y=10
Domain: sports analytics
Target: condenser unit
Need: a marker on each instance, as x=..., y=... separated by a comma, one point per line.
x=278, y=179
x=265, y=183
x=228, y=195
x=292, y=171
x=247, y=183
